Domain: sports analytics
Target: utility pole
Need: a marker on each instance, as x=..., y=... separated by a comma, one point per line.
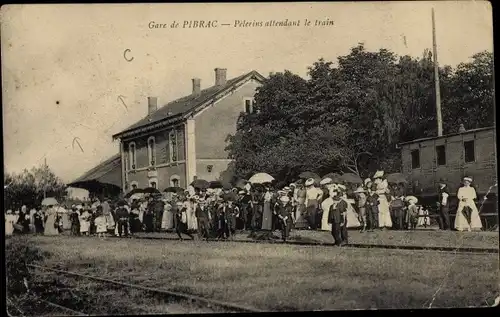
x=44, y=181
x=436, y=78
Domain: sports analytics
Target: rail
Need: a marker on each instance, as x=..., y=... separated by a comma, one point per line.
x=177, y=295
x=464, y=250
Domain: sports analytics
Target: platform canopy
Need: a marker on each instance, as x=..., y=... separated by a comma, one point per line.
x=104, y=178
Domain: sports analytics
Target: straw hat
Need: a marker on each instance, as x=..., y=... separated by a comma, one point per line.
x=368, y=180
x=379, y=174
x=359, y=190
x=309, y=182
x=341, y=187
x=292, y=185
x=468, y=179
x=326, y=181
x=411, y=199
x=242, y=192
x=286, y=188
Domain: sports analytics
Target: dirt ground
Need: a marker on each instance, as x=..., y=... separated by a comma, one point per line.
x=286, y=277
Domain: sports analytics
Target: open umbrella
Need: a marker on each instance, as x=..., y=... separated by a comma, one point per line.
x=200, y=184
x=215, y=184
x=351, y=178
x=306, y=175
x=261, y=178
x=396, y=178
x=226, y=185
x=336, y=178
x=151, y=190
x=134, y=191
x=49, y=201
x=177, y=190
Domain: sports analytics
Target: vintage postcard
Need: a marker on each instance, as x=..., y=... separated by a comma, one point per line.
x=249, y=157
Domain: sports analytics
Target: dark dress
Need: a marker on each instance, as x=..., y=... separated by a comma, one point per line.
x=74, y=217
x=203, y=222
x=39, y=217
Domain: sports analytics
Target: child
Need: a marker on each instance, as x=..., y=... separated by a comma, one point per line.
x=412, y=213
x=372, y=208
x=85, y=222
x=286, y=216
x=100, y=223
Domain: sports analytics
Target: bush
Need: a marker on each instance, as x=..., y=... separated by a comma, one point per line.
x=18, y=254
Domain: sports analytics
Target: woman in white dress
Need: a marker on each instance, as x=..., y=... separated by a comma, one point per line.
x=466, y=195
x=85, y=222
x=384, y=215
x=9, y=223
x=326, y=204
x=192, y=220
x=167, y=221
x=351, y=214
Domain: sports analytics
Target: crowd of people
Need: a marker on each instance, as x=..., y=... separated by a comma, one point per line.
x=219, y=213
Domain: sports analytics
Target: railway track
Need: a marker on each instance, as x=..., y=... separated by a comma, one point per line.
x=166, y=294
x=463, y=250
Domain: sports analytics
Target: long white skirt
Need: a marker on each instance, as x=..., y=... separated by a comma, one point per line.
x=384, y=216
x=461, y=223
x=167, y=221
x=352, y=217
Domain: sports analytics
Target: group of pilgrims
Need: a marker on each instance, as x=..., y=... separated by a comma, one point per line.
x=218, y=213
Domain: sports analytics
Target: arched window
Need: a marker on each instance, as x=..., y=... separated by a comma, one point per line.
x=153, y=182
x=133, y=185
x=132, y=155
x=151, y=151
x=174, y=181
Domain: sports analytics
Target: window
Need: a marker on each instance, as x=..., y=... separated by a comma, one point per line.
x=175, y=182
x=441, y=155
x=469, y=149
x=134, y=186
x=248, y=104
x=132, y=153
x=151, y=151
x=415, y=159
x=172, y=138
x=153, y=184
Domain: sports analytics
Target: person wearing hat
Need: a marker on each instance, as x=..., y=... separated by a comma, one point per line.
x=443, y=204
x=372, y=203
x=384, y=214
x=75, y=221
x=412, y=212
x=337, y=217
x=84, y=220
x=38, y=221
x=325, y=206
x=231, y=212
x=203, y=220
x=243, y=203
x=466, y=200
x=284, y=212
x=360, y=200
x=267, y=212
x=122, y=216
x=180, y=220
x=397, y=211
x=313, y=196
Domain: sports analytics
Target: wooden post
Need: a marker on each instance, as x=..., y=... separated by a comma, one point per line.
x=436, y=78
x=44, y=180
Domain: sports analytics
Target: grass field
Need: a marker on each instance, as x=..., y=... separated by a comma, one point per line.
x=390, y=237
x=285, y=277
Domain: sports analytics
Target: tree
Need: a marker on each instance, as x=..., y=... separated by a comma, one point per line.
x=29, y=186
x=471, y=97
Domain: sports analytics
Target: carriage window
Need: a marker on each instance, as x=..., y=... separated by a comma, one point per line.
x=441, y=155
x=415, y=159
x=469, y=149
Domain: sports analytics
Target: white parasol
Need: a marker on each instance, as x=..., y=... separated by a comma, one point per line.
x=261, y=178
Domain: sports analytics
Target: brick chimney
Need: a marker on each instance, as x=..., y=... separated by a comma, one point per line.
x=152, y=105
x=196, y=86
x=220, y=76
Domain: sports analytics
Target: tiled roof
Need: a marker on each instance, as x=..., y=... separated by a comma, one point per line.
x=107, y=172
x=186, y=104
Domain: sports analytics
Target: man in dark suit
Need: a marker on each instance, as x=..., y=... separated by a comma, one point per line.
x=337, y=217
x=203, y=219
x=180, y=220
x=444, y=205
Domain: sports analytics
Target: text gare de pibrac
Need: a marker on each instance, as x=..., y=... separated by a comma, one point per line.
x=207, y=24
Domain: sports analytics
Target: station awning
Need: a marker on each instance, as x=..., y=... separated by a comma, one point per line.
x=106, y=175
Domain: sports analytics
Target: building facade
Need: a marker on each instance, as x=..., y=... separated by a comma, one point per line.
x=450, y=158
x=186, y=138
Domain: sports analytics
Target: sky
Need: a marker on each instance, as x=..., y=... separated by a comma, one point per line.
x=63, y=66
